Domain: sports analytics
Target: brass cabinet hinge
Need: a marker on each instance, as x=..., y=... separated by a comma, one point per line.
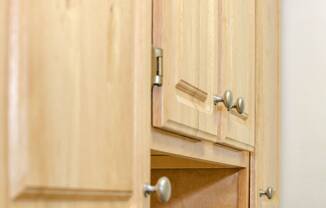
x=157, y=66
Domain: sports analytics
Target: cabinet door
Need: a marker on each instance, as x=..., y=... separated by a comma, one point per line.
x=187, y=31
x=208, y=48
x=70, y=79
x=237, y=65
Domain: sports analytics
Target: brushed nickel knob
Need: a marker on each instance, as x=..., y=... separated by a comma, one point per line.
x=269, y=193
x=162, y=189
x=239, y=105
x=227, y=99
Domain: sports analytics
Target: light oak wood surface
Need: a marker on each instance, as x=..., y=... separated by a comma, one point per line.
x=3, y=103
x=208, y=50
x=75, y=102
x=72, y=99
x=163, y=161
x=203, y=151
x=187, y=31
x=266, y=159
x=67, y=98
x=207, y=188
x=237, y=65
x=142, y=98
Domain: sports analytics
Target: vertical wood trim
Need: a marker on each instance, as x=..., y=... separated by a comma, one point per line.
x=243, y=184
x=17, y=101
x=4, y=10
x=265, y=160
x=142, y=99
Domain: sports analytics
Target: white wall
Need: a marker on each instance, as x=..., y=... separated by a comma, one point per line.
x=303, y=167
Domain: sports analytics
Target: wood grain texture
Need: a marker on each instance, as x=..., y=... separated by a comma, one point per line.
x=4, y=11
x=209, y=47
x=244, y=187
x=265, y=165
x=142, y=99
x=170, y=144
x=161, y=161
x=208, y=188
x=187, y=33
x=139, y=148
x=67, y=96
x=237, y=65
x=191, y=90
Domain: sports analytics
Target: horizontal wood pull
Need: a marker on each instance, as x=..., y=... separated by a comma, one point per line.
x=191, y=90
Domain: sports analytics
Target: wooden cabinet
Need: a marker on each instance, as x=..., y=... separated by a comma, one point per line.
x=208, y=47
x=67, y=97
x=81, y=124
x=187, y=32
x=67, y=77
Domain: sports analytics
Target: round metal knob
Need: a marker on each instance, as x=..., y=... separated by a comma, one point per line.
x=162, y=189
x=239, y=105
x=227, y=99
x=268, y=193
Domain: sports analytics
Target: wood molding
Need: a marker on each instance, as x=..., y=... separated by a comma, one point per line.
x=205, y=151
x=32, y=192
x=201, y=188
x=161, y=161
x=191, y=90
x=4, y=22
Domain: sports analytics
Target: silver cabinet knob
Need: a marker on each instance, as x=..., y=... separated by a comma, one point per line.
x=239, y=105
x=162, y=189
x=227, y=99
x=269, y=193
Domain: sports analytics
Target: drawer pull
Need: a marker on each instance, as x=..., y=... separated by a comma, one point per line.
x=227, y=99
x=162, y=189
x=269, y=193
x=239, y=105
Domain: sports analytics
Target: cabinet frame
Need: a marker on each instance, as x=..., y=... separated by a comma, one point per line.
x=265, y=161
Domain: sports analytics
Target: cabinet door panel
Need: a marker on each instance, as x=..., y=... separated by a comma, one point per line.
x=208, y=47
x=238, y=68
x=187, y=31
x=71, y=75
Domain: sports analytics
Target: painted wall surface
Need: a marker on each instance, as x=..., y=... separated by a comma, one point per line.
x=303, y=146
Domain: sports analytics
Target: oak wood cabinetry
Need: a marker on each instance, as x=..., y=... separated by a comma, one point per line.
x=208, y=48
x=67, y=138
x=81, y=124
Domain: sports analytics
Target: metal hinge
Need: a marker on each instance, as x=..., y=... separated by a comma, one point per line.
x=157, y=65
